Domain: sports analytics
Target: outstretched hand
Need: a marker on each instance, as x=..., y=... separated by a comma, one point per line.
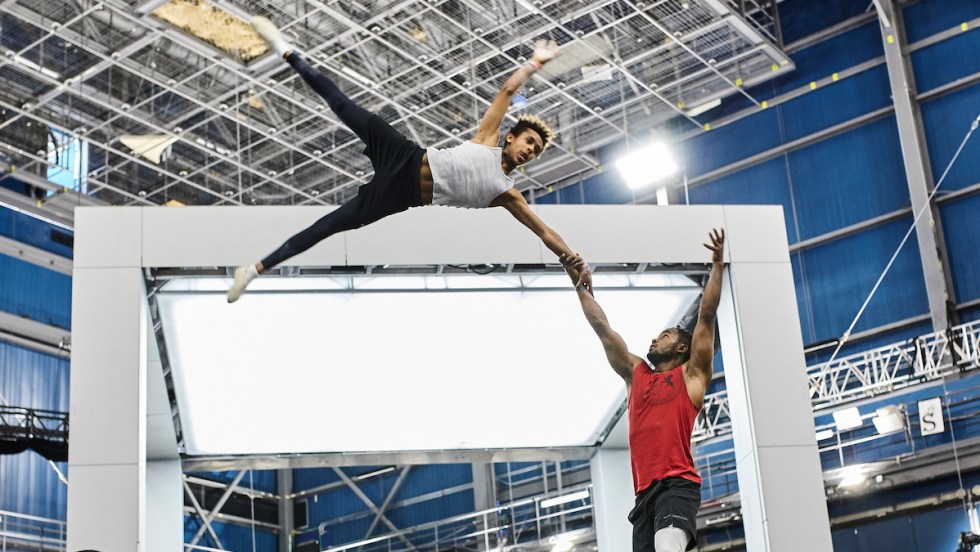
x=545, y=51
x=578, y=270
x=717, y=246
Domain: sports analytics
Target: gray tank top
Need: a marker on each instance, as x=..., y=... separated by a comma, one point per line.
x=467, y=175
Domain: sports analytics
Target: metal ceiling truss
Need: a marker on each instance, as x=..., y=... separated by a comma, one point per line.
x=254, y=133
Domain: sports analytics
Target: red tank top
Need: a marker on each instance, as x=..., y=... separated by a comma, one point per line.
x=661, y=417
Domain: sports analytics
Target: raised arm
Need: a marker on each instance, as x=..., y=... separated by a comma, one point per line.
x=621, y=360
x=699, y=367
x=488, y=133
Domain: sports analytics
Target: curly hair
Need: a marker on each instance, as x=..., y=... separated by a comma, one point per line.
x=536, y=124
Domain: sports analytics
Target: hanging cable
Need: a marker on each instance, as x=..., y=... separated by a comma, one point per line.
x=956, y=455
x=843, y=339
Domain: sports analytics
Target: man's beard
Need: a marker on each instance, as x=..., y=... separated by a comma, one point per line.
x=656, y=357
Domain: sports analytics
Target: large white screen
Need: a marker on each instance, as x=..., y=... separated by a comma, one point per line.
x=380, y=371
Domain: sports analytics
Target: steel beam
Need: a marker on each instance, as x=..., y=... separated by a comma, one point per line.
x=205, y=520
x=287, y=523
x=384, y=506
x=928, y=227
x=370, y=504
x=217, y=509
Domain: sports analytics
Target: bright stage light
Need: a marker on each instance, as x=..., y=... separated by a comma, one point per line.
x=647, y=165
x=825, y=434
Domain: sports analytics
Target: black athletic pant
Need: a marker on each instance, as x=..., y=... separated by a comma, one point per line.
x=390, y=191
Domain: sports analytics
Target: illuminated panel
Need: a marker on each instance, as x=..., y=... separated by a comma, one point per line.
x=286, y=371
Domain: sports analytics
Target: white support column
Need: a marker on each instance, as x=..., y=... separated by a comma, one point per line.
x=110, y=479
x=107, y=458
x=612, y=498
x=164, y=506
x=779, y=474
x=915, y=154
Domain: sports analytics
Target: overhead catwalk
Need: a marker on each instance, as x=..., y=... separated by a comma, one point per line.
x=474, y=174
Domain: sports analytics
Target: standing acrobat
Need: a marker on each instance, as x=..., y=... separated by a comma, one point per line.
x=665, y=397
x=473, y=174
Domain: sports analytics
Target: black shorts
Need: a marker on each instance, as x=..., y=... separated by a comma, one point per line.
x=673, y=501
x=395, y=186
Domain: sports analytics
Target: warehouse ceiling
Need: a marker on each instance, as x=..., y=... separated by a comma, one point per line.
x=179, y=101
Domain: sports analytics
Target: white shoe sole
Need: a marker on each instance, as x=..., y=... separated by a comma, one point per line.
x=266, y=29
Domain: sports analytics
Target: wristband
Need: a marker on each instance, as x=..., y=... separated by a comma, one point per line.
x=535, y=65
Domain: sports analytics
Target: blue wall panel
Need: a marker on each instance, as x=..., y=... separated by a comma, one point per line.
x=924, y=19
x=763, y=184
x=840, y=275
x=946, y=121
x=933, y=531
x=960, y=226
x=801, y=18
x=932, y=67
x=32, y=231
x=607, y=188
x=849, y=178
x=836, y=54
x=835, y=103
x=730, y=143
x=36, y=293
x=28, y=483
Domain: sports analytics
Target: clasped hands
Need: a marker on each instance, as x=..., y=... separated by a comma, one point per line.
x=578, y=270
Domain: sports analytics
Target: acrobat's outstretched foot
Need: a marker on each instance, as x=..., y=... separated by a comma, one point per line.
x=243, y=275
x=270, y=33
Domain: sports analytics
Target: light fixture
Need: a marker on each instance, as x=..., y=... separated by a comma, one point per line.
x=696, y=110
x=889, y=419
x=825, y=434
x=348, y=71
x=853, y=476
x=31, y=65
x=848, y=418
x=646, y=165
x=564, y=499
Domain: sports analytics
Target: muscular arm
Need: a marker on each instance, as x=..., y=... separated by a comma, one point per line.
x=621, y=360
x=488, y=133
x=516, y=205
x=699, y=367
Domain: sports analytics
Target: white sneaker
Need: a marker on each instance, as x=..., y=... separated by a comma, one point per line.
x=270, y=33
x=243, y=275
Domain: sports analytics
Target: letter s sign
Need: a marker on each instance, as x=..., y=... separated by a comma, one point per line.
x=931, y=416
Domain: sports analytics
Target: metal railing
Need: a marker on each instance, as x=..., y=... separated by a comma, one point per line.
x=522, y=522
x=23, y=533
x=869, y=373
